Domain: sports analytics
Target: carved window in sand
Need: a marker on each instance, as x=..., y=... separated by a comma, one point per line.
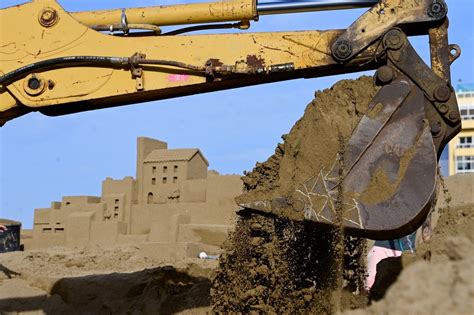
x=165, y=169
x=164, y=180
x=153, y=181
x=175, y=168
x=150, y=198
x=175, y=179
x=153, y=170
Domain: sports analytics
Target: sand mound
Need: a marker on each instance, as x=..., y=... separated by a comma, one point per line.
x=439, y=278
x=99, y=281
x=62, y=261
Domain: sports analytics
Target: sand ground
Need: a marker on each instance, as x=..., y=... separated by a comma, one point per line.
x=438, y=279
x=100, y=281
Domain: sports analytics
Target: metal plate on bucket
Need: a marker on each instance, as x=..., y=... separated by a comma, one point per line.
x=388, y=175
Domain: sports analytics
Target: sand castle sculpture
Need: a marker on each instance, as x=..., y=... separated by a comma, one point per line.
x=173, y=209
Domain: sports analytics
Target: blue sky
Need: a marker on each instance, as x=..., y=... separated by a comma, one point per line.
x=44, y=158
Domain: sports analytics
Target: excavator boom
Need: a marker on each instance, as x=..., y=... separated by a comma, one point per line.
x=57, y=62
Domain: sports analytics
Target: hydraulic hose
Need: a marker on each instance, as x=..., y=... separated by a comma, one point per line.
x=95, y=61
x=72, y=61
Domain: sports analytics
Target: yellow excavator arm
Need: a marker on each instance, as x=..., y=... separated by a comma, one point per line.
x=57, y=62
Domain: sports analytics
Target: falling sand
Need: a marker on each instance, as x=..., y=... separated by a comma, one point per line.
x=282, y=264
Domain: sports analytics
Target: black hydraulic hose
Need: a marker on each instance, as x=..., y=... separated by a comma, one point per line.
x=75, y=61
x=61, y=62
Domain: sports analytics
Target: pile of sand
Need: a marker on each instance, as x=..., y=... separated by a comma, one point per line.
x=62, y=261
x=442, y=287
x=96, y=280
x=439, y=278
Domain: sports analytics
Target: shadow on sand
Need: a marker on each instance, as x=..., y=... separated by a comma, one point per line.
x=160, y=290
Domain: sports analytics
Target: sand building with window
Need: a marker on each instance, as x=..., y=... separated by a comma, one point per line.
x=173, y=208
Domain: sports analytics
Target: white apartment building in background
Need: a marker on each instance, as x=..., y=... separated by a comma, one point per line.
x=461, y=148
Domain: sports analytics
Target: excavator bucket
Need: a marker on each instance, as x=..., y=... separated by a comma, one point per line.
x=383, y=182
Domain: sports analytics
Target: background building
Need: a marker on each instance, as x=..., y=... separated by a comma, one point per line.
x=173, y=209
x=461, y=148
